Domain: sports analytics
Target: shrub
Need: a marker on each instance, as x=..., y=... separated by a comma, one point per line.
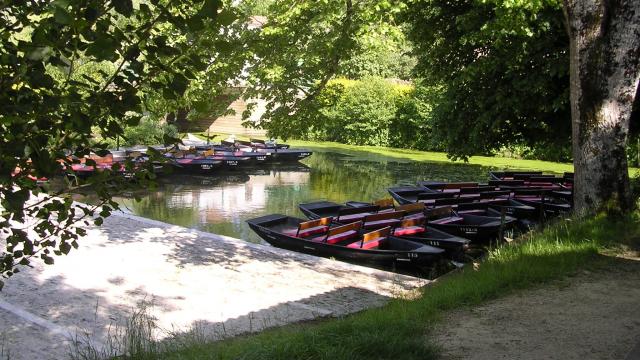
x=148, y=132
x=411, y=127
x=371, y=111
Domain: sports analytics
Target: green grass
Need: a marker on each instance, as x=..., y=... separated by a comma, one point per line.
x=400, y=330
x=416, y=155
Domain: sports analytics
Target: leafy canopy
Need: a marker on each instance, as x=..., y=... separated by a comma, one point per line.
x=68, y=68
x=503, y=66
x=301, y=47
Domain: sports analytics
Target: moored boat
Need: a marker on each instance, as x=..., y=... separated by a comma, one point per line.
x=272, y=154
x=404, y=221
x=343, y=242
x=479, y=229
x=542, y=200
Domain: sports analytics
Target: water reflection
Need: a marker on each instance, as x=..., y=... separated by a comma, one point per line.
x=221, y=204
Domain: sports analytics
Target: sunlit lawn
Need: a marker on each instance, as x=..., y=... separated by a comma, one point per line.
x=417, y=155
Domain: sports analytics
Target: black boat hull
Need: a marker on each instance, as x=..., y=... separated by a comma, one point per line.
x=454, y=246
x=262, y=156
x=550, y=207
x=422, y=256
x=478, y=229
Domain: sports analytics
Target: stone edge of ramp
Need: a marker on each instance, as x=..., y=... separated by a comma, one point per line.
x=405, y=282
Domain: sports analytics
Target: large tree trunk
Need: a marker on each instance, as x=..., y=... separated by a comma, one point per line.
x=604, y=51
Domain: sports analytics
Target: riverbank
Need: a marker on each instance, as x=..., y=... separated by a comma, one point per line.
x=497, y=162
x=404, y=328
x=189, y=285
x=417, y=155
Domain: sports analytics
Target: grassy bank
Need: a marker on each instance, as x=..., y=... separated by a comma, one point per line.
x=401, y=328
x=417, y=155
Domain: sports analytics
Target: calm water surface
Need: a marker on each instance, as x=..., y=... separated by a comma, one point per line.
x=222, y=204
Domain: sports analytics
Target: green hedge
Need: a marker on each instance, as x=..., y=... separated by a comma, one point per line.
x=372, y=111
x=148, y=132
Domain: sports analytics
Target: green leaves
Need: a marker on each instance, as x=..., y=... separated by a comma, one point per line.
x=179, y=84
x=103, y=48
x=210, y=8
x=73, y=70
x=503, y=68
x=62, y=16
x=124, y=7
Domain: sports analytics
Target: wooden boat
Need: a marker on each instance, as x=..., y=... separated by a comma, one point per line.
x=512, y=208
x=512, y=175
x=197, y=165
x=274, y=154
x=535, y=179
x=478, y=222
x=562, y=190
x=341, y=213
x=407, y=194
x=260, y=150
x=255, y=158
x=412, y=194
x=85, y=168
x=497, y=194
x=402, y=220
x=542, y=200
x=343, y=242
x=205, y=163
x=480, y=229
x=259, y=143
x=447, y=186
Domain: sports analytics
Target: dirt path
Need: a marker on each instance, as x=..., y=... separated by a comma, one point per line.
x=593, y=315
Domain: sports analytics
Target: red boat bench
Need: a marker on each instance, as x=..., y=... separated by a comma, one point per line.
x=380, y=220
x=309, y=228
x=371, y=240
x=340, y=233
x=410, y=226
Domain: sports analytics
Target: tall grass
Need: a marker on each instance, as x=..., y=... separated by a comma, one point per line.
x=137, y=337
x=400, y=329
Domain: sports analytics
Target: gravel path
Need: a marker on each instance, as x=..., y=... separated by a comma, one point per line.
x=219, y=285
x=594, y=315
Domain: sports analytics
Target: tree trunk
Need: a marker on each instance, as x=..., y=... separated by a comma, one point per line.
x=604, y=50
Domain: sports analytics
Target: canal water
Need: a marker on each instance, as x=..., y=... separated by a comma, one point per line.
x=222, y=204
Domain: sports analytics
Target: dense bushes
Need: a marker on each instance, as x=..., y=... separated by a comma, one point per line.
x=379, y=112
x=371, y=111
x=147, y=132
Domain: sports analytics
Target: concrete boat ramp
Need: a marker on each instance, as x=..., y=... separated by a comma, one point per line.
x=186, y=279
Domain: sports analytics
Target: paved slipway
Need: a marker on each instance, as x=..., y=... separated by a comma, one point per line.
x=593, y=315
x=187, y=279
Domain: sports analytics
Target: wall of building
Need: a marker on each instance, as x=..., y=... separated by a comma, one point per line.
x=231, y=123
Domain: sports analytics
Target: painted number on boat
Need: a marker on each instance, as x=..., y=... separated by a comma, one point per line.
x=205, y=167
x=232, y=162
x=412, y=255
x=469, y=230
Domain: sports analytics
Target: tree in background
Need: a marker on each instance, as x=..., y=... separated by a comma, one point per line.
x=255, y=7
x=50, y=104
x=300, y=48
x=503, y=68
x=605, y=73
x=382, y=51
